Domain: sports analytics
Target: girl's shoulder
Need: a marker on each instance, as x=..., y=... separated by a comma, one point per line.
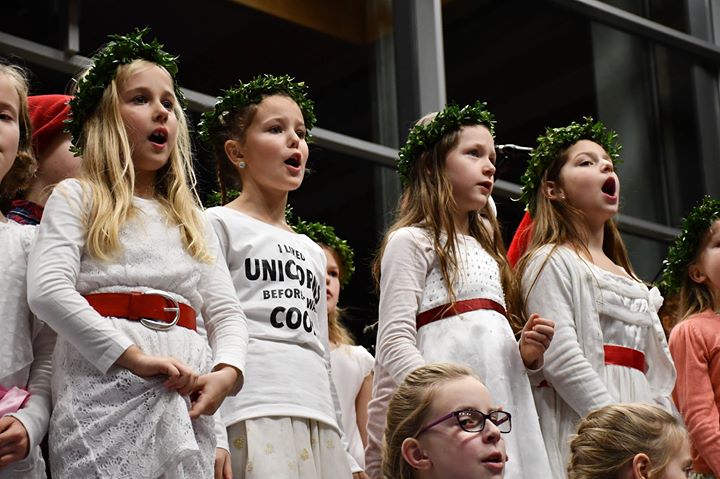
x=554, y=254
x=697, y=328
x=411, y=235
x=23, y=235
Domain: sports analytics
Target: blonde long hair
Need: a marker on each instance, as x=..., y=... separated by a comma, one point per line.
x=557, y=222
x=24, y=164
x=608, y=438
x=407, y=412
x=108, y=172
x=427, y=202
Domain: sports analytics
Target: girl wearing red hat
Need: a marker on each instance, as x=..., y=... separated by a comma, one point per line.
x=51, y=146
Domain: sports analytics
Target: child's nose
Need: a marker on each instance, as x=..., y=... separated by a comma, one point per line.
x=491, y=432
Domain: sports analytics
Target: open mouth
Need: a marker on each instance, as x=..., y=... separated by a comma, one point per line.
x=158, y=136
x=496, y=457
x=486, y=184
x=609, y=187
x=293, y=161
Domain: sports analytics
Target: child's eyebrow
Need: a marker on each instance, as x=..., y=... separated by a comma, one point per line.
x=4, y=104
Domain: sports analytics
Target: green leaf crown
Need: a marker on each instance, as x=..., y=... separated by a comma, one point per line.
x=683, y=251
x=252, y=93
x=120, y=50
x=423, y=137
x=553, y=142
x=321, y=233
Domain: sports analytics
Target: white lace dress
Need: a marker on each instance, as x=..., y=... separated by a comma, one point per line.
x=107, y=422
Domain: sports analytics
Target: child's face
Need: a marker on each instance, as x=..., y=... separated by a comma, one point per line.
x=470, y=168
x=457, y=453
x=57, y=162
x=146, y=106
x=9, y=124
x=332, y=280
x=707, y=265
x=274, y=148
x=588, y=182
x=680, y=464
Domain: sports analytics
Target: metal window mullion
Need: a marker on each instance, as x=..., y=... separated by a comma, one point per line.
x=636, y=25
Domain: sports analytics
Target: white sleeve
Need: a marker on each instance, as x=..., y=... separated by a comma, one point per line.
x=53, y=268
x=404, y=266
x=366, y=361
x=224, y=319
x=220, y=432
x=566, y=367
x=36, y=412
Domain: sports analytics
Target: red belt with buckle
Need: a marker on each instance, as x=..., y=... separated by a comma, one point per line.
x=458, y=307
x=154, y=309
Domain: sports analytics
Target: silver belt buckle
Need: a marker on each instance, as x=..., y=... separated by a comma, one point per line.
x=156, y=324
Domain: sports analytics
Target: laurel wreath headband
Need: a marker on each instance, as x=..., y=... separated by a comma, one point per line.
x=120, y=50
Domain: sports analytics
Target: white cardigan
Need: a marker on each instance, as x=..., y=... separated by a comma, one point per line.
x=561, y=286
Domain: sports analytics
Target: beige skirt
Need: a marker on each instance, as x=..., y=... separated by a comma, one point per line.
x=286, y=447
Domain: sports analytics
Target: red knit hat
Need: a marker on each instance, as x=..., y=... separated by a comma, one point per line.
x=521, y=240
x=47, y=113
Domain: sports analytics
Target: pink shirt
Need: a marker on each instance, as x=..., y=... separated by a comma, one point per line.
x=695, y=348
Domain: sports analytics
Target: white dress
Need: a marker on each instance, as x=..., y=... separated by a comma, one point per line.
x=108, y=422
x=592, y=307
x=482, y=340
x=350, y=367
x=26, y=346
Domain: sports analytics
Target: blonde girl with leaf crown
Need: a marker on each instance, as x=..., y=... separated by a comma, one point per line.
x=446, y=291
x=609, y=345
x=286, y=423
x=123, y=268
x=352, y=365
x=26, y=344
x=693, y=268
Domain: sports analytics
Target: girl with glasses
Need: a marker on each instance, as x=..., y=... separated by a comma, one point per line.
x=443, y=423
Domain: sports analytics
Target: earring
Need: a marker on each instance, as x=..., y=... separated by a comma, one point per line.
x=242, y=165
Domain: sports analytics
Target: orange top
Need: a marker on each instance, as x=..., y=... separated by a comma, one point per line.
x=695, y=348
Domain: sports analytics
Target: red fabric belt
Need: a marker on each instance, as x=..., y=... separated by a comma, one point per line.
x=154, y=310
x=619, y=356
x=465, y=306
x=622, y=356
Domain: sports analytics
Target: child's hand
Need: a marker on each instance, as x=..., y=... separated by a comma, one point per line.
x=180, y=377
x=223, y=469
x=535, y=339
x=211, y=389
x=14, y=441
x=360, y=475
